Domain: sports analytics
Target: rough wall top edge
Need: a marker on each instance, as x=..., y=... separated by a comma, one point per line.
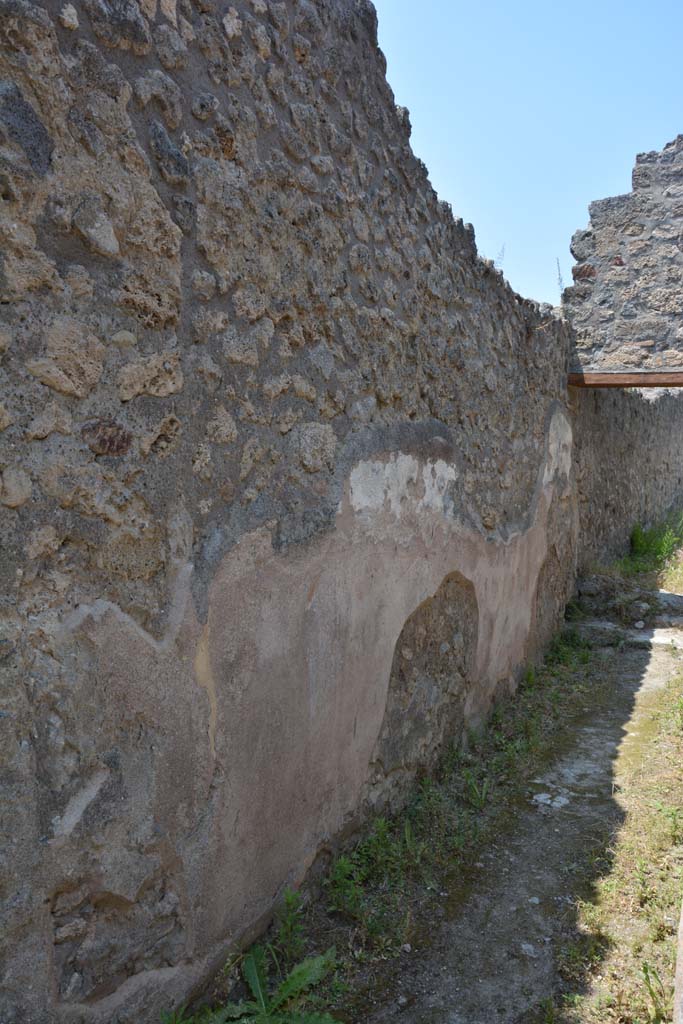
x=208, y=340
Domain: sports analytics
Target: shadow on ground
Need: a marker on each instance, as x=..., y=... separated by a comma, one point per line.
x=507, y=943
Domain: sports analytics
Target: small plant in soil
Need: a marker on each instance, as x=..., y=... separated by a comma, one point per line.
x=416, y=849
x=477, y=792
x=283, y=1004
x=656, y=994
x=678, y=714
x=177, y=1017
x=653, y=549
x=674, y=818
x=344, y=892
x=289, y=940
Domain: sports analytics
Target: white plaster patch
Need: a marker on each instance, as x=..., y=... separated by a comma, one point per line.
x=436, y=477
x=559, y=460
x=76, y=807
x=375, y=483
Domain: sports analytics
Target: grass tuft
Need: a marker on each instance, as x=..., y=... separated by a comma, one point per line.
x=652, y=549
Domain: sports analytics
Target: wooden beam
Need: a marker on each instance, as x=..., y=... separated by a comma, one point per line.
x=618, y=379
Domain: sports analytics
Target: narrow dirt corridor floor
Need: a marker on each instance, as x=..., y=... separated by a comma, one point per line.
x=512, y=946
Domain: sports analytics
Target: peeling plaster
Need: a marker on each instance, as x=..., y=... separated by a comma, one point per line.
x=295, y=659
x=375, y=482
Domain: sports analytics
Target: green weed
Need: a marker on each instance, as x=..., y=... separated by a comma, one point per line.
x=568, y=649
x=477, y=792
x=379, y=857
x=644, y=889
x=289, y=940
x=582, y=955
x=344, y=890
x=548, y=1011
x=652, y=548
x=284, y=1005
x=528, y=681
x=204, y=1016
x=176, y=1017
x=674, y=818
x=678, y=715
x=656, y=993
x=416, y=849
x=573, y=612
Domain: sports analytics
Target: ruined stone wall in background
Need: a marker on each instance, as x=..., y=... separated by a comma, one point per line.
x=627, y=299
x=628, y=457
x=625, y=308
x=287, y=484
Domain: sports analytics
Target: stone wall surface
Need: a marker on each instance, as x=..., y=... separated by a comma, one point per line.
x=628, y=457
x=288, y=486
x=627, y=300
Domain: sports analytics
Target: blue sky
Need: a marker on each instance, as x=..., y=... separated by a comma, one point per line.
x=524, y=112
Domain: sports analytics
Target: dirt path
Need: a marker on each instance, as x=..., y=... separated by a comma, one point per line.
x=494, y=956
